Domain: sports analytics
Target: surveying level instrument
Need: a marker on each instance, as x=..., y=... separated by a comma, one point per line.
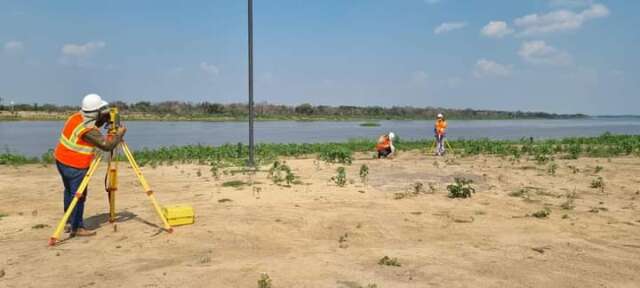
x=111, y=179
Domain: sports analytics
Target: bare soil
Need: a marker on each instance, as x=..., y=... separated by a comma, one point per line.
x=316, y=234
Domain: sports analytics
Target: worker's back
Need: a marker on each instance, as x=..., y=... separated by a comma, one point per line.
x=384, y=142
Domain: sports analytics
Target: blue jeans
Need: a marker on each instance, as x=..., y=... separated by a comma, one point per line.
x=72, y=177
x=440, y=149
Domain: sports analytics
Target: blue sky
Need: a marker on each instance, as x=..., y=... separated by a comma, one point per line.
x=565, y=56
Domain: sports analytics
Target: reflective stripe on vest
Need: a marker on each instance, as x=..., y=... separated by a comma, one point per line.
x=71, y=143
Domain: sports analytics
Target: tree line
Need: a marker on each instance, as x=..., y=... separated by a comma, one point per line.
x=267, y=111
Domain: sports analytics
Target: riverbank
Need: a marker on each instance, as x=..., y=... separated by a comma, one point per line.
x=525, y=226
x=139, y=116
x=604, y=146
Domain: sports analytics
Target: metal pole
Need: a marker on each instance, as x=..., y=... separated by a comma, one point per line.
x=251, y=108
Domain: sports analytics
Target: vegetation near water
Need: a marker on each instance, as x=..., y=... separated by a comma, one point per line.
x=206, y=111
x=370, y=124
x=606, y=145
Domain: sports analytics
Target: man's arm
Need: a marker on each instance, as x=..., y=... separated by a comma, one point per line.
x=95, y=137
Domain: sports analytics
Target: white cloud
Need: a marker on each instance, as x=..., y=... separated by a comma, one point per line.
x=487, y=68
x=448, y=27
x=538, y=52
x=210, y=69
x=13, y=47
x=82, y=50
x=496, y=29
x=80, y=55
x=559, y=20
x=419, y=77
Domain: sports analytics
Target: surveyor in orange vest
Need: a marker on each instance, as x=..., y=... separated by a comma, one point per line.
x=75, y=152
x=385, y=146
x=440, y=131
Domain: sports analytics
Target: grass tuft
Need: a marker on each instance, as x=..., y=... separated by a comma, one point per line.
x=387, y=261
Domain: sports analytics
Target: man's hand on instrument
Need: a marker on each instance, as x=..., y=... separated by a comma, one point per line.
x=121, y=131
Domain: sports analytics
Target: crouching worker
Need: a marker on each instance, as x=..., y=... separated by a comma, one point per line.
x=440, y=130
x=75, y=152
x=385, y=146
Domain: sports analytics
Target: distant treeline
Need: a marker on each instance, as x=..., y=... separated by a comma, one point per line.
x=303, y=111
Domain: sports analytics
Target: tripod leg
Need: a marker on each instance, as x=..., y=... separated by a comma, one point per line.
x=74, y=202
x=145, y=185
x=449, y=145
x=433, y=147
x=112, y=186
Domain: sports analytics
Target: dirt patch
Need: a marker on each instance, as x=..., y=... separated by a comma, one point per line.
x=317, y=234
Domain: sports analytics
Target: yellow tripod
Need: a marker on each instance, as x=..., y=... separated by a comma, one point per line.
x=111, y=183
x=433, y=147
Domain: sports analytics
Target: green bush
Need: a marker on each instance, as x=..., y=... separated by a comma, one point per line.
x=388, y=261
x=337, y=155
x=364, y=173
x=605, y=146
x=544, y=213
x=341, y=178
x=461, y=189
x=281, y=172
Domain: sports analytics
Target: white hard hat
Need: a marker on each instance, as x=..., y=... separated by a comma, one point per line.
x=440, y=115
x=93, y=102
x=392, y=135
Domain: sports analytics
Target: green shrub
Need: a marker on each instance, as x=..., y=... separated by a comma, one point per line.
x=552, y=169
x=387, y=261
x=364, y=173
x=14, y=159
x=461, y=188
x=337, y=155
x=234, y=183
x=605, y=146
x=544, y=213
x=48, y=157
x=341, y=178
x=542, y=159
x=281, y=172
x=574, y=151
x=264, y=281
x=598, y=183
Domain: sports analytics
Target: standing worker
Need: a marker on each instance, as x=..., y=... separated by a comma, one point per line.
x=440, y=131
x=75, y=152
x=385, y=146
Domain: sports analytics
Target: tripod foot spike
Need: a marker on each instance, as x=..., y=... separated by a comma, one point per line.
x=52, y=241
x=170, y=230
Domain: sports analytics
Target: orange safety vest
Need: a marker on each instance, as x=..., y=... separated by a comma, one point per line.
x=72, y=150
x=383, y=143
x=441, y=126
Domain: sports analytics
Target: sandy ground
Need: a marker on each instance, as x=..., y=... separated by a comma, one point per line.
x=294, y=234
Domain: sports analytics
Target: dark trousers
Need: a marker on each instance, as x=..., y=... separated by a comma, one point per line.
x=384, y=153
x=72, y=177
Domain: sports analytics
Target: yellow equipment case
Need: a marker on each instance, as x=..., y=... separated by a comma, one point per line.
x=179, y=214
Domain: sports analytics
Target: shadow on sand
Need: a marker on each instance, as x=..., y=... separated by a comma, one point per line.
x=95, y=221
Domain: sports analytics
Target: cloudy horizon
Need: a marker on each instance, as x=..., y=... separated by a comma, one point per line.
x=556, y=56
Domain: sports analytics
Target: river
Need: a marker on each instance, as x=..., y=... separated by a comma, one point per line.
x=35, y=137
